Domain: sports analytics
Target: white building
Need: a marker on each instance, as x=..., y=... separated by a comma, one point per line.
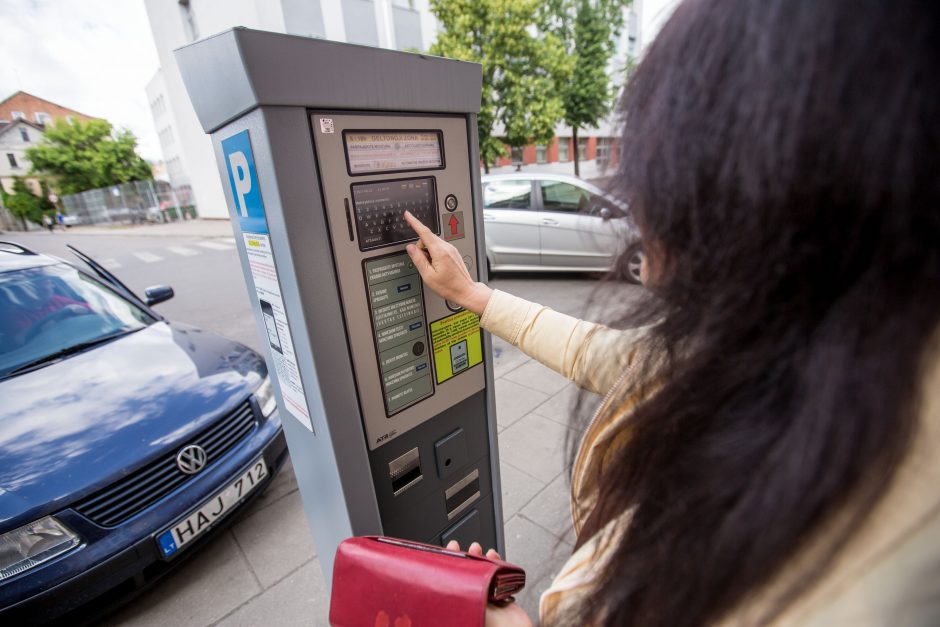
x=398, y=24
x=187, y=150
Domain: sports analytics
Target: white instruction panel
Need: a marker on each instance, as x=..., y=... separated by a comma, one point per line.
x=264, y=276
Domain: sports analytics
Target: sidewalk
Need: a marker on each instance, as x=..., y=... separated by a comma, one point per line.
x=200, y=227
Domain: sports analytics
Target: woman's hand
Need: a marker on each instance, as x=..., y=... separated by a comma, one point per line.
x=510, y=615
x=443, y=269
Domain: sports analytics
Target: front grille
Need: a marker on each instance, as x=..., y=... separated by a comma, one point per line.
x=147, y=485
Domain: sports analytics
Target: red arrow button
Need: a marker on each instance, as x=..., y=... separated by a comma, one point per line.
x=453, y=225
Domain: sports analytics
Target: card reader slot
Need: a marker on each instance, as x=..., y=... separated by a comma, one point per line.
x=462, y=494
x=405, y=471
x=349, y=226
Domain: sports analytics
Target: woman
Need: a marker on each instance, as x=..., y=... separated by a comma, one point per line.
x=769, y=451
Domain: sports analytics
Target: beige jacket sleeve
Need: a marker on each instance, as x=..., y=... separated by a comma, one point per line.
x=592, y=355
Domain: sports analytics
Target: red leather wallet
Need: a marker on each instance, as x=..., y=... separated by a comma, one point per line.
x=385, y=582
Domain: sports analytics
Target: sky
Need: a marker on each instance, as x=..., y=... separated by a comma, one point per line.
x=94, y=56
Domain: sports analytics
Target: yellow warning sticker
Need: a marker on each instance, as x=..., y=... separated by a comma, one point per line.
x=456, y=344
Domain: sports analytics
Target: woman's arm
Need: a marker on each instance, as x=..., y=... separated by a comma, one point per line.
x=592, y=355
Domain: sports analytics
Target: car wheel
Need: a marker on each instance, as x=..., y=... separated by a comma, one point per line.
x=634, y=263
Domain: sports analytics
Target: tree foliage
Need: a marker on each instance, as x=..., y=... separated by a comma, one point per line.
x=86, y=155
x=24, y=204
x=589, y=31
x=523, y=65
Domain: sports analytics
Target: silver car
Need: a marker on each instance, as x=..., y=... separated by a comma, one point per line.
x=552, y=222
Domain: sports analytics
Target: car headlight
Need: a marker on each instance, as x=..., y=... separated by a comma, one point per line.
x=33, y=544
x=265, y=396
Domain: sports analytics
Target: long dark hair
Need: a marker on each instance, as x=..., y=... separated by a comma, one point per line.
x=781, y=161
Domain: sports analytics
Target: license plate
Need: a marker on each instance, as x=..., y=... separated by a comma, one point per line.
x=200, y=520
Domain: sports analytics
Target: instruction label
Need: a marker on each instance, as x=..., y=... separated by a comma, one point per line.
x=456, y=344
x=249, y=211
x=398, y=323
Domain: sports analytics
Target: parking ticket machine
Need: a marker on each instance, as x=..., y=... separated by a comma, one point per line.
x=385, y=389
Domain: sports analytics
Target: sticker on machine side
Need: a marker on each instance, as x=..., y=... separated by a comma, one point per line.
x=456, y=344
x=250, y=216
x=264, y=276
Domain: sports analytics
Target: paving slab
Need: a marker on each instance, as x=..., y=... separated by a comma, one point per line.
x=518, y=489
x=297, y=600
x=541, y=554
x=513, y=401
x=208, y=587
x=536, y=446
x=538, y=377
x=506, y=357
x=276, y=540
x=562, y=407
x=551, y=509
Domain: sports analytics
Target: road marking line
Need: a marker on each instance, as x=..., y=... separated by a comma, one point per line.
x=148, y=257
x=182, y=250
x=214, y=245
x=229, y=240
x=110, y=263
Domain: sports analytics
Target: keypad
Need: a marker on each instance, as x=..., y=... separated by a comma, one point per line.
x=379, y=209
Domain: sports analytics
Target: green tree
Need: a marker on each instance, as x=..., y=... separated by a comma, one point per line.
x=589, y=30
x=523, y=63
x=24, y=204
x=87, y=155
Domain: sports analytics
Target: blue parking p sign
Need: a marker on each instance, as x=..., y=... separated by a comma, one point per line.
x=243, y=179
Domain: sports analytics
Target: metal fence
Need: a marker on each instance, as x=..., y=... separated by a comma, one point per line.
x=136, y=202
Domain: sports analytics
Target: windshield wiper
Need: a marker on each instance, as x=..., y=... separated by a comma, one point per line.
x=65, y=352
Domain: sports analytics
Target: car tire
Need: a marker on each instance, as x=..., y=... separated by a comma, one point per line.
x=634, y=263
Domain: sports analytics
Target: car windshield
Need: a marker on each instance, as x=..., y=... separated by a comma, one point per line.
x=50, y=311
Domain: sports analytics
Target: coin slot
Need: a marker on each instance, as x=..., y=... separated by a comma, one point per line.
x=405, y=471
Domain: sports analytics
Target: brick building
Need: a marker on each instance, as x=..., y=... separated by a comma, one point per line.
x=601, y=149
x=23, y=120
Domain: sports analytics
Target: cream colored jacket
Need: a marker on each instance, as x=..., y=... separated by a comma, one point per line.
x=888, y=574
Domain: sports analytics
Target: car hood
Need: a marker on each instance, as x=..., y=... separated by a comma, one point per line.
x=67, y=428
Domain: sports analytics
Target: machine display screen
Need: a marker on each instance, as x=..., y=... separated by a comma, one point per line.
x=379, y=209
x=373, y=152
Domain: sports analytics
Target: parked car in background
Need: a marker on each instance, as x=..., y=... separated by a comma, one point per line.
x=551, y=222
x=126, y=440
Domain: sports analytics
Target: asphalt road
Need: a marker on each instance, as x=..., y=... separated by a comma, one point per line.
x=210, y=291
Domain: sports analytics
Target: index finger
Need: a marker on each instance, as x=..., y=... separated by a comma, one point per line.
x=426, y=235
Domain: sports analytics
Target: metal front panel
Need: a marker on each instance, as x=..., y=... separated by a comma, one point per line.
x=385, y=420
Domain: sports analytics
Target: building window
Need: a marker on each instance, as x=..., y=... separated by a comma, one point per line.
x=24, y=135
x=12, y=159
x=564, y=149
x=42, y=117
x=18, y=115
x=603, y=152
x=70, y=119
x=541, y=153
x=189, y=20
x=359, y=18
x=582, y=148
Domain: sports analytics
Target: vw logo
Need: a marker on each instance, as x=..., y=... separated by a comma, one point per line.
x=191, y=459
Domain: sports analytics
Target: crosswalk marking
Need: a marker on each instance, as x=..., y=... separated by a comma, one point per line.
x=214, y=245
x=148, y=257
x=110, y=262
x=182, y=250
x=229, y=240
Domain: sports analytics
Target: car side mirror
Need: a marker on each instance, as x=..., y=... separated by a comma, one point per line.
x=606, y=214
x=158, y=294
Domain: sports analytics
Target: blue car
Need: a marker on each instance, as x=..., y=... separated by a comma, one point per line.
x=125, y=440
